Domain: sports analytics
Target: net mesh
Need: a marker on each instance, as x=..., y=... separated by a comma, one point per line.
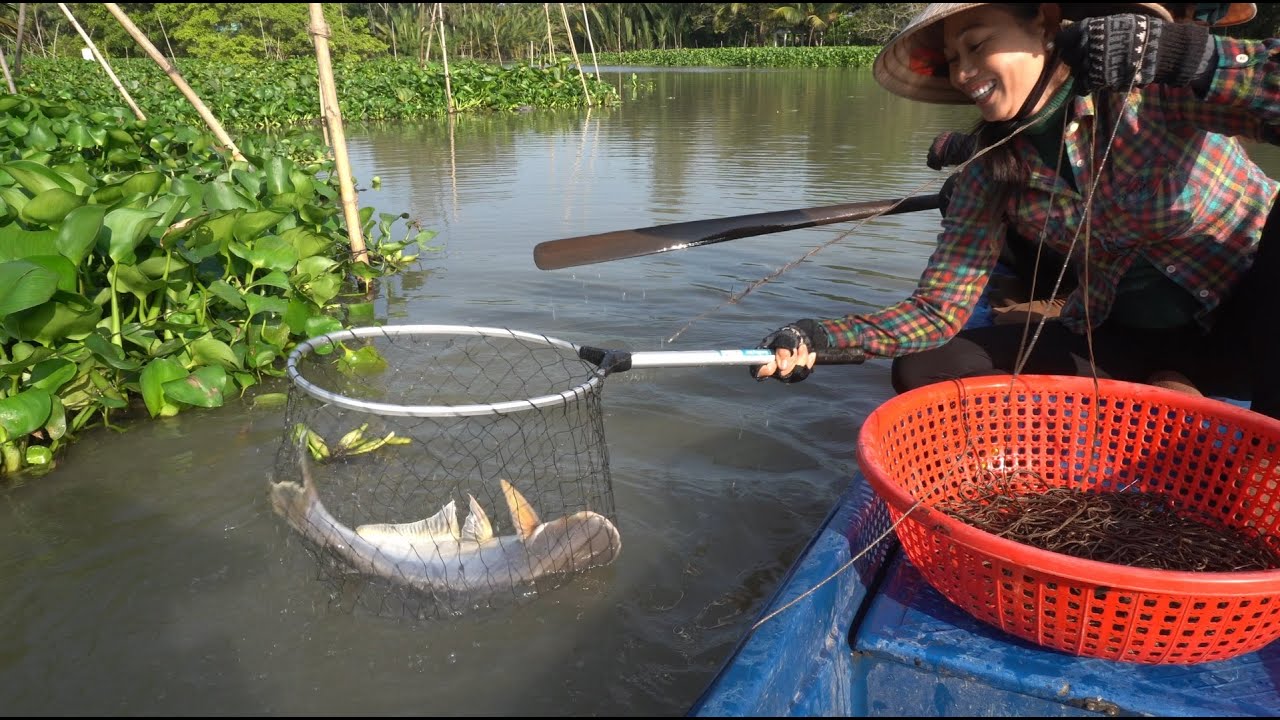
x=434, y=470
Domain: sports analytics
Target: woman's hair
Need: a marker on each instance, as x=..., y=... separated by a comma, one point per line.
x=1007, y=168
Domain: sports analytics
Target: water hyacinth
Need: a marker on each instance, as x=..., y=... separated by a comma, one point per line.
x=141, y=270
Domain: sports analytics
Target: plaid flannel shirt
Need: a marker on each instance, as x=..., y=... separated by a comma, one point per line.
x=1177, y=191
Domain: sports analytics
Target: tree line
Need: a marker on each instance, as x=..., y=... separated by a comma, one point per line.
x=498, y=32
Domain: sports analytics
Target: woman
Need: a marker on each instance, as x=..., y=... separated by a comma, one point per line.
x=1108, y=140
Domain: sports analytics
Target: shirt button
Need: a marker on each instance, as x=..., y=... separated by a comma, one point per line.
x=1080, y=163
x=1073, y=126
x=1204, y=293
x=1172, y=268
x=1242, y=58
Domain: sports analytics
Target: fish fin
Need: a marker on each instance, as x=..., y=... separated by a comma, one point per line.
x=476, y=527
x=441, y=526
x=523, y=516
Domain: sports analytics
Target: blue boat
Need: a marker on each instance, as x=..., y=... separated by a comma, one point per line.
x=868, y=636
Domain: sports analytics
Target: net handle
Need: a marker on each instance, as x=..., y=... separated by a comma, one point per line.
x=621, y=360
x=608, y=361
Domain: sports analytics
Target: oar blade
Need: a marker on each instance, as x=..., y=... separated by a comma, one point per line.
x=622, y=244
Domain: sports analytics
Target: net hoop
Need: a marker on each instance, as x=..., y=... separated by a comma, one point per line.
x=306, y=347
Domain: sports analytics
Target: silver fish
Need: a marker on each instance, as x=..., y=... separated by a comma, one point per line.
x=435, y=555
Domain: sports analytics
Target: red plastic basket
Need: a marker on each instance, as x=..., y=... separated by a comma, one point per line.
x=1204, y=455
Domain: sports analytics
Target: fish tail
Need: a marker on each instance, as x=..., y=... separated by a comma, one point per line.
x=290, y=499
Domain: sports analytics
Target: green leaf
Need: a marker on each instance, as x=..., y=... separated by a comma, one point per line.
x=316, y=265
x=272, y=253
x=227, y=293
x=156, y=267
x=275, y=279
x=60, y=266
x=126, y=228
x=22, y=413
x=296, y=317
x=23, y=285
x=271, y=400
x=36, y=178
x=152, y=381
x=40, y=138
x=360, y=314
x=56, y=425
x=68, y=317
x=277, y=176
x=324, y=288
x=259, y=304
x=317, y=325
x=18, y=244
x=51, y=374
x=38, y=455
x=21, y=364
x=147, y=183
x=50, y=206
x=78, y=136
x=202, y=388
x=129, y=279
x=225, y=196
x=79, y=232
x=211, y=351
x=365, y=361
x=252, y=224
x=109, y=352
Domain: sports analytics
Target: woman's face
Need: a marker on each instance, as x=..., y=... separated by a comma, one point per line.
x=995, y=59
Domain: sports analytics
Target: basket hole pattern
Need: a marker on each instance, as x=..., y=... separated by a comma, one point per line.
x=1221, y=470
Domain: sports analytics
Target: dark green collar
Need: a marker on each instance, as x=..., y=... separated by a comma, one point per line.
x=1049, y=119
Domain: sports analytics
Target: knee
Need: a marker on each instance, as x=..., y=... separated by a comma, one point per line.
x=912, y=371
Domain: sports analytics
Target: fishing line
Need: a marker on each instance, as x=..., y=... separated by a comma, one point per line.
x=1025, y=347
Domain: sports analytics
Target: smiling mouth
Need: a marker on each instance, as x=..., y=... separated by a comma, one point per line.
x=983, y=92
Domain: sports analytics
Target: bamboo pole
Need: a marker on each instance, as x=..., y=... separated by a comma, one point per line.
x=177, y=79
x=444, y=56
x=102, y=61
x=17, y=43
x=573, y=48
x=551, y=48
x=7, y=77
x=333, y=116
x=431, y=32
x=165, y=34
x=586, y=22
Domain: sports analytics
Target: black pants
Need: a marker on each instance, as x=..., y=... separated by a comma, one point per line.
x=1238, y=358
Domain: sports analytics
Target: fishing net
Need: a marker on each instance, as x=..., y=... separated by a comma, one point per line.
x=432, y=470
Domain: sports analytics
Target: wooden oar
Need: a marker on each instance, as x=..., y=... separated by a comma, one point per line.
x=620, y=244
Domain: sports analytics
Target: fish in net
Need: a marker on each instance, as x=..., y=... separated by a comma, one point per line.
x=433, y=470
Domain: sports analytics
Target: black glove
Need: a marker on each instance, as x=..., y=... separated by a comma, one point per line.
x=792, y=336
x=1117, y=51
x=950, y=148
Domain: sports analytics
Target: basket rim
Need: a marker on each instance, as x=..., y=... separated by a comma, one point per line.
x=1094, y=572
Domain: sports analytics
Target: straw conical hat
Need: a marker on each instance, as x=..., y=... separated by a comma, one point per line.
x=912, y=65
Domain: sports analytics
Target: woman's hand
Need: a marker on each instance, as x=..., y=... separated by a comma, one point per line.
x=1117, y=52
x=794, y=352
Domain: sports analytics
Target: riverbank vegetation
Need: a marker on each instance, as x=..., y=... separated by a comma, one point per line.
x=283, y=93
x=145, y=270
